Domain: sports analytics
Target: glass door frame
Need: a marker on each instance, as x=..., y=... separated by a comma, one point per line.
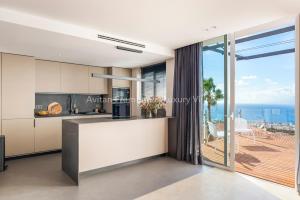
x=231, y=117
x=229, y=77
x=230, y=65
x=255, y=30
x=297, y=97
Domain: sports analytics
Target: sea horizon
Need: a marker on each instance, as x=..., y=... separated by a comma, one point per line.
x=258, y=112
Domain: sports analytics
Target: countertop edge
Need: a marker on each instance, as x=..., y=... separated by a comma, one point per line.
x=73, y=115
x=109, y=119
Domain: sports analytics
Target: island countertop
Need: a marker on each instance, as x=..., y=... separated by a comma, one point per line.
x=109, y=119
x=93, y=144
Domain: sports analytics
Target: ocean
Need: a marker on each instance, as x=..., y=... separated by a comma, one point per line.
x=278, y=114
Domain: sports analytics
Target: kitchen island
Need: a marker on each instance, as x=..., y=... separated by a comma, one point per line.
x=91, y=145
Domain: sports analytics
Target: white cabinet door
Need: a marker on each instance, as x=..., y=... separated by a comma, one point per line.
x=74, y=78
x=48, y=133
x=97, y=85
x=19, y=136
x=47, y=77
x=121, y=72
x=18, y=86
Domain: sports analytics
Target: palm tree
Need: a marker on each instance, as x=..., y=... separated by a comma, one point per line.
x=211, y=94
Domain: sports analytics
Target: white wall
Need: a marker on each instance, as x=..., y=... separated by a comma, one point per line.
x=135, y=92
x=170, y=65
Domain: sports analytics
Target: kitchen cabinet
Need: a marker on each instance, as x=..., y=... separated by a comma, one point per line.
x=74, y=78
x=47, y=76
x=97, y=85
x=19, y=136
x=18, y=86
x=121, y=72
x=48, y=134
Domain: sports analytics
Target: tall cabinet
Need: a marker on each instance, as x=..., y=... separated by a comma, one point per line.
x=121, y=72
x=19, y=136
x=18, y=86
x=115, y=83
x=18, y=101
x=22, y=77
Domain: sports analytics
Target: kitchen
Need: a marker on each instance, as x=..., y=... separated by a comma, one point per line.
x=49, y=76
x=46, y=80
x=39, y=95
x=109, y=99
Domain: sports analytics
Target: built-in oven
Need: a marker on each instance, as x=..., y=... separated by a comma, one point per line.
x=121, y=102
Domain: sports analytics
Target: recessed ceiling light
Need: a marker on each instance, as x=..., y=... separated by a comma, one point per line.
x=210, y=28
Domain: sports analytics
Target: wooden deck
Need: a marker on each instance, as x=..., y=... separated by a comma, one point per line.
x=271, y=157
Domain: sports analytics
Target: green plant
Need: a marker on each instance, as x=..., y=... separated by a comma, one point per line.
x=211, y=94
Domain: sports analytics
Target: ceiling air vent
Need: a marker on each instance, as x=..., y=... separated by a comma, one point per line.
x=129, y=49
x=121, y=41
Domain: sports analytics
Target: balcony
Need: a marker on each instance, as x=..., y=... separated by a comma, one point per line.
x=270, y=157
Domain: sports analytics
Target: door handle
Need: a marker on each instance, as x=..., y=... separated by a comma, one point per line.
x=231, y=115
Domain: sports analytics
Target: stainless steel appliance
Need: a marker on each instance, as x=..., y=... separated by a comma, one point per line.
x=121, y=102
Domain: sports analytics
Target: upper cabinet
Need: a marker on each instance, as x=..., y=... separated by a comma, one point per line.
x=18, y=86
x=97, y=85
x=121, y=72
x=68, y=78
x=48, y=76
x=74, y=78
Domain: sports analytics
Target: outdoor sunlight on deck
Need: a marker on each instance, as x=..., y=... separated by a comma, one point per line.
x=270, y=157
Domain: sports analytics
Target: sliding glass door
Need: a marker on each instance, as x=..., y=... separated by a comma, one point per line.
x=249, y=102
x=265, y=104
x=216, y=85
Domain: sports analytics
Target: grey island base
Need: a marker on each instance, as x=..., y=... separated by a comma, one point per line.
x=89, y=145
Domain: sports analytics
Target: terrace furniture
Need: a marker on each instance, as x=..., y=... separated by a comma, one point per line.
x=241, y=127
x=212, y=129
x=264, y=129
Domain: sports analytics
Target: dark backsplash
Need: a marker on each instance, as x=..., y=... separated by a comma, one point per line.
x=85, y=103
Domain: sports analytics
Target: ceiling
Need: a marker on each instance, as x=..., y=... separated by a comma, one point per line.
x=168, y=24
x=65, y=48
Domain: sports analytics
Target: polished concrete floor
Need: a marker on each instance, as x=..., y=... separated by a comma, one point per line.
x=41, y=178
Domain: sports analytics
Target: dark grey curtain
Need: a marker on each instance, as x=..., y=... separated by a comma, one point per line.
x=187, y=104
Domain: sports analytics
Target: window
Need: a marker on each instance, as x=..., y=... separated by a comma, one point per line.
x=151, y=89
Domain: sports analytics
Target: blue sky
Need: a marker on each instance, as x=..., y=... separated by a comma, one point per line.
x=268, y=80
